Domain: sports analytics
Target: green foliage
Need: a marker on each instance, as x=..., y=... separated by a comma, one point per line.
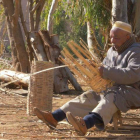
x=1, y=9
x=68, y=28
x=95, y=11
x=8, y=48
x=2, y=16
x=44, y=14
x=70, y=19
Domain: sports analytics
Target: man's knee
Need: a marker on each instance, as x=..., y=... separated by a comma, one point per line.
x=90, y=95
x=84, y=102
x=110, y=97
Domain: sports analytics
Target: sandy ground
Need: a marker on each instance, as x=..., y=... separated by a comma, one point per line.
x=15, y=124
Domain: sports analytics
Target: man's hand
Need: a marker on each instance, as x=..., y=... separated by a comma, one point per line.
x=101, y=70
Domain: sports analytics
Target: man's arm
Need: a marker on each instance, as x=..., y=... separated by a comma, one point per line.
x=128, y=75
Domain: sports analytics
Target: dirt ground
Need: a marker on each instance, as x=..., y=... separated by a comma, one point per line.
x=15, y=124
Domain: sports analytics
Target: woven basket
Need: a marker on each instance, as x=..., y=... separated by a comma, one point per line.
x=85, y=65
x=40, y=87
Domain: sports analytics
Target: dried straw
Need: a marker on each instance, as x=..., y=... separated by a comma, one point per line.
x=88, y=68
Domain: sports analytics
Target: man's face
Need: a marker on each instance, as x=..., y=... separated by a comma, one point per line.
x=118, y=37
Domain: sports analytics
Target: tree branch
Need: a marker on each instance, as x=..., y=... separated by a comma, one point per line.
x=38, y=13
x=17, y=11
x=23, y=21
x=50, y=21
x=36, y=7
x=31, y=18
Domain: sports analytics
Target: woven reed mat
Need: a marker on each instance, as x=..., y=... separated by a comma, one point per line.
x=40, y=87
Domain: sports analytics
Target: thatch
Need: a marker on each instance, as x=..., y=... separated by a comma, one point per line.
x=87, y=69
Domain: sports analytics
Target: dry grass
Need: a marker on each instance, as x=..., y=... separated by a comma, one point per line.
x=5, y=64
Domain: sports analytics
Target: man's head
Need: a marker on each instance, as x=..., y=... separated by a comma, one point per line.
x=120, y=33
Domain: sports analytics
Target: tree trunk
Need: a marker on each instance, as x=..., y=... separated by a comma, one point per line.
x=136, y=19
x=25, y=9
x=73, y=80
x=61, y=76
x=50, y=19
x=24, y=16
x=90, y=37
x=12, y=44
x=38, y=46
x=13, y=15
x=119, y=11
x=51, y=46
x=60, y=80
x=8, y=76
x=41, y=46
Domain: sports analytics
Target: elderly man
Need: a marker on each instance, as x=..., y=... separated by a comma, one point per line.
x=121, y=65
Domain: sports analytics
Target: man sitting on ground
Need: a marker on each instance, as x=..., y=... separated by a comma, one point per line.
x=121, y=65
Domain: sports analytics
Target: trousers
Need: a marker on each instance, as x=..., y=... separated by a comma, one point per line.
x=90, y=101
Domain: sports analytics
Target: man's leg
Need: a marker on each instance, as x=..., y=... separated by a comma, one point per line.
x=106, y=108
x=83, y=104
x=81, y=125
x=79, y=106
x=100, y=115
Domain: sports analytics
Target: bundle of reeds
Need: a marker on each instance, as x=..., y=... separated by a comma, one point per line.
x=85, y=65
